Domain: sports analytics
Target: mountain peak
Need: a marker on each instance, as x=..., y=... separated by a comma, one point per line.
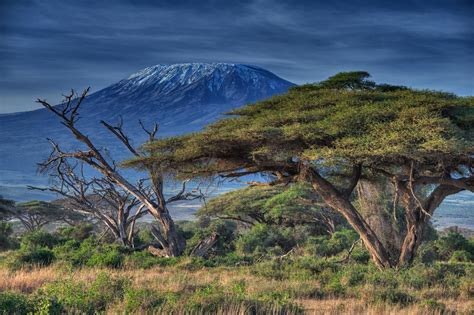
x=189, y=73
x=159, y=81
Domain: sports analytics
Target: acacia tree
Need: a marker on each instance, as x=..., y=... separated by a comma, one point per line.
x=170, y=240
x=35, y=214
x=422, y=141
x=276, y=205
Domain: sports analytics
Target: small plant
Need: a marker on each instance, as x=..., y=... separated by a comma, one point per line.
x=14, y=303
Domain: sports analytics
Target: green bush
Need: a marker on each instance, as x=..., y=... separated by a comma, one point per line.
x=330, y=246
x=6, y=240
x=145, y=260
x=427, y=254
x=452, y=242
x=78, y=233
x=30, y=257
x=90, y=253
x=111, y=256
x=461, y=256
x=88, y=298
x=198, y=231
x=263, y=239
x=15, y=303
x=39, y=238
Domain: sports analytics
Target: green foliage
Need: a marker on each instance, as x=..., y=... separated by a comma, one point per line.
x=30, y=257
x=461, y=256
x=88, y=298
x=226, y=231
x=15, y=303
x=78, y=232
x=90, y=253
x=447, y=245
x=263, y=239
x=342, y=122
x=144, y=300
x=39, y=238
x=355, y=80
x=338, y=242
x=6, y=240
x=145, y=260
x=275, y=205
x=111, y=256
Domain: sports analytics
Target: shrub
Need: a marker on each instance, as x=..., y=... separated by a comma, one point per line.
x=88, y=298
x=6, y=241
x=427, y=254
x=39, y=238
x=111, y=256
x=15, y=303
x=452, y=242
x=30, y=257
x=145, y=260
x=338, y=242
x=263, y=239
x=224, y=229
x=78, y=233
x=461, y=256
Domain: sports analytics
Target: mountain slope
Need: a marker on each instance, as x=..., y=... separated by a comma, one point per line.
x=181, y=98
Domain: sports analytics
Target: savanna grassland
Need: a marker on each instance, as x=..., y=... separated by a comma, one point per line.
x=56, y=273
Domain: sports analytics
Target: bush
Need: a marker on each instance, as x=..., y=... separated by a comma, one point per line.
x=39, y=238
x=30, y=257
x=90, y=253
x=198, y=231
x=263, y=239
x=78, y=233
x=337, y=243
x=145, y=260
x=15, y=303
x=88, y=298
x=6, y=241
x=427, y=254
x=461, y=256
x=111, y=256
x=452, y=242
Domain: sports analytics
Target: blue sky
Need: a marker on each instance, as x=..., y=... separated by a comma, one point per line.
x=49, y=47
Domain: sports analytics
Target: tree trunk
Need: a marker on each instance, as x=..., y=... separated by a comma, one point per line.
x=205, y=245
x=373, y=198
x=336, y=200
x=171, y=241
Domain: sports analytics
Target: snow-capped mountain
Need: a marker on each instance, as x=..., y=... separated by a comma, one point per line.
x=180, y=97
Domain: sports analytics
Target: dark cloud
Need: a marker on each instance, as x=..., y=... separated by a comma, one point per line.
x=48, y=47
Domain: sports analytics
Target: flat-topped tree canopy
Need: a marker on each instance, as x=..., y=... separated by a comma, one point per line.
x=416, y=138
x=345, y=119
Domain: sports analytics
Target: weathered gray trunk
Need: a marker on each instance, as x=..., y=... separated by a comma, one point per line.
x=375, y=206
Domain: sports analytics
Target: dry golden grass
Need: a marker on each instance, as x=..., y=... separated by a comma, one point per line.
x=177, y=280
x=358, y=307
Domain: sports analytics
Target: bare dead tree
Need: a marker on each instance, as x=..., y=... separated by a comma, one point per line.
x=95, y=197
x=150, y=199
